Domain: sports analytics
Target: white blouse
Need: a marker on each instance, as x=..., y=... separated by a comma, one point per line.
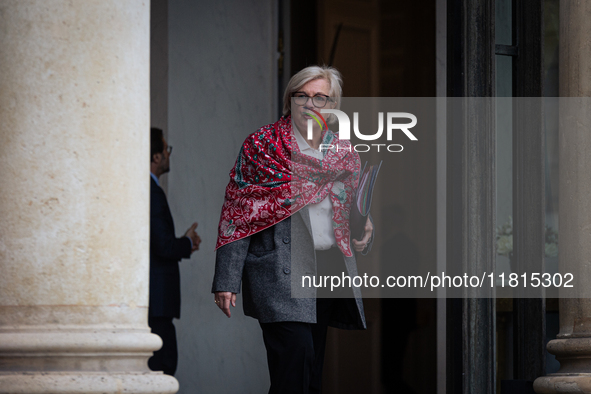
x=321, y=213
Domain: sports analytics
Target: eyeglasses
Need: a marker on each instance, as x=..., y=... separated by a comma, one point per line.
x=169, y=149
x=319, y=101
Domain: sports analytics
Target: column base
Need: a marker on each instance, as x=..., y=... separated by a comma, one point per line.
x=563, y=383
x=72, y=360
x=87, y=383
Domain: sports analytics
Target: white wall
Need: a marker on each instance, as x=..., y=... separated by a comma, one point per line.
x=222, y=73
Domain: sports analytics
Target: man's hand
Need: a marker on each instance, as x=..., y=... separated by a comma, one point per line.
x=224, y=299
x=192, y=235
x=196, y=244
x=360, y=245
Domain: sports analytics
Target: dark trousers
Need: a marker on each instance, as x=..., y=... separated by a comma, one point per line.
x=166, y=358
x=295, y=350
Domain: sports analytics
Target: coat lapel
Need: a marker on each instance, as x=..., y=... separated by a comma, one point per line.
x=306, y=217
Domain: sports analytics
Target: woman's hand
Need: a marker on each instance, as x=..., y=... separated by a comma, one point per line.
x=223, y=299
x=360, y=245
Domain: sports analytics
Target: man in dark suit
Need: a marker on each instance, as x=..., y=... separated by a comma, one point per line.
x=166, y=250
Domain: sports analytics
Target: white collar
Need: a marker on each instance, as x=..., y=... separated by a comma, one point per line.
x=155, y=178
x=302, y=143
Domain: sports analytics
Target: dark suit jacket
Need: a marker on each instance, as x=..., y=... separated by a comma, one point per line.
x=166, y=250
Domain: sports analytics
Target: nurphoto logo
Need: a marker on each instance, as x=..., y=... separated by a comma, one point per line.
x=345, y=129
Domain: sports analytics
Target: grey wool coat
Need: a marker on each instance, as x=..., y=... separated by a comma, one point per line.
x=270, y=265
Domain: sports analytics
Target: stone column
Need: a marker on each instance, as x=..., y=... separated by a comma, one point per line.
x=74, y=198
x=572, y=347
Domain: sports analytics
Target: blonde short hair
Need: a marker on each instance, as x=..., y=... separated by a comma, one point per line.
x=312, y=73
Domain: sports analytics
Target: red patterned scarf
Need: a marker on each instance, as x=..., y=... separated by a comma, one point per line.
x=272, y=180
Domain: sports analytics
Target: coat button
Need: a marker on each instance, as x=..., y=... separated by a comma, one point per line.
x=286, y=240
x=286, y=270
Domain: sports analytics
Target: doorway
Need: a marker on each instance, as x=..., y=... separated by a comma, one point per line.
x=383, y=49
